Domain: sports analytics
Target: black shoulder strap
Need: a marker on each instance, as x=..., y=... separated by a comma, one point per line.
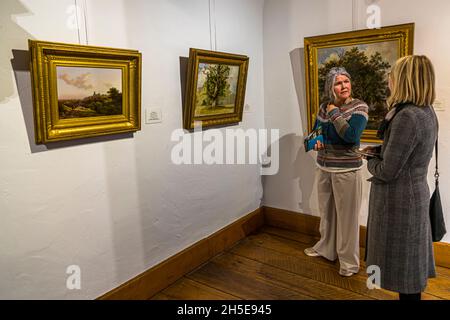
x=436, y=172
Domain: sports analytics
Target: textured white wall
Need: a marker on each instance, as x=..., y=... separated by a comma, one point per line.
x=286, y=23
x=116, y=206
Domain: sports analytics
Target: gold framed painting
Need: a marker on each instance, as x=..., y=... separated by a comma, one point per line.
x=84, y=91
x=368, y=56
x=215, y=88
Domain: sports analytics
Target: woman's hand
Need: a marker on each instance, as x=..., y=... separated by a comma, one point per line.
x=319, y=146
x=369, y=149
x=330, y=107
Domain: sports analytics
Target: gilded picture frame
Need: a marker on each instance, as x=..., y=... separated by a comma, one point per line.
x=84, y=91
x=215, y=88
x=368, y=56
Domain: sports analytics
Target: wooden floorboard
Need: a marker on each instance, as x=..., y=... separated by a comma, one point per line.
x=284, y=279
x=271, y=265
x=245, y=286
x=187, y=289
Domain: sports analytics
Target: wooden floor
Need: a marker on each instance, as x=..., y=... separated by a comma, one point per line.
x=271, y=265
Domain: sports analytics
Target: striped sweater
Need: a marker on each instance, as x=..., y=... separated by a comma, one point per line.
x=341, y=129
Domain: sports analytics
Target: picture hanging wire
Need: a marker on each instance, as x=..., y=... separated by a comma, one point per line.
x=212, y=25
x=78, y=21
x=85, y=21
x=80, y=5
x=355, y=12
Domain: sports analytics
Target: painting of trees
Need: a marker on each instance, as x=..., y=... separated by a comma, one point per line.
x=216, y=84
x=216, y=90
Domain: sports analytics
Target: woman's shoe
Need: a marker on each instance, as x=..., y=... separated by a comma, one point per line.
x=311, y=252
x=345, y=273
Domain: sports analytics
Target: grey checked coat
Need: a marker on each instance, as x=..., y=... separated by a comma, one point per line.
x=399, y=234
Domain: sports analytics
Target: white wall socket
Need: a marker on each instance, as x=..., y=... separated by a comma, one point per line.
x=153, y=115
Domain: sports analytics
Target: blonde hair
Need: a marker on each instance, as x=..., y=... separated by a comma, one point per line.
x=413, y=81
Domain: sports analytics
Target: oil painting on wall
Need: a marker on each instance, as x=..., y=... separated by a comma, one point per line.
x=368, y=56
x=215, y=88
x=89, y=92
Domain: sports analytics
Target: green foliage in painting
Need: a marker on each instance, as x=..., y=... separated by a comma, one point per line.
x=95, y=105
x=216, y=83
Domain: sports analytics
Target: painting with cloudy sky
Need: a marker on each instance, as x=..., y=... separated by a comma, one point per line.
x=88, y=92
x=216, y=89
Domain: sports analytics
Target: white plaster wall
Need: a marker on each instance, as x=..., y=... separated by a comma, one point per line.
x=116, y=206
x=286, y=23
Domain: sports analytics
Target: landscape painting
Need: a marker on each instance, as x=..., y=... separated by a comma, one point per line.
x=215, y=88
x=88, y=92
x=368, y=56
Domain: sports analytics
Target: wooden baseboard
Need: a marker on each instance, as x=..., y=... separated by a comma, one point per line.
x=293, y=221
x=442, y=254
x=308, y=224
x=167, y=272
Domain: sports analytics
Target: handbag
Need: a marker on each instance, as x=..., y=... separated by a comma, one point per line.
x=436, y=214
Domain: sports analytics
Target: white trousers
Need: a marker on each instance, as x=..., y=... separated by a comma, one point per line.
x=339, y=205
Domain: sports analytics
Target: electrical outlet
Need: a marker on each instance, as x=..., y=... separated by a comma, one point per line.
x=153, y=115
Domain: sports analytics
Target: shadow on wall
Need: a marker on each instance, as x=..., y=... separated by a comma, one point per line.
x=305, y=171
x=294, y=165
x=184, y=62
x=12, y=36
x=20, y=64
x=298, y=73
x=304, y=162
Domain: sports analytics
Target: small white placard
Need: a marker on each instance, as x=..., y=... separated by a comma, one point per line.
x=439, y=105
x=153, y=115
